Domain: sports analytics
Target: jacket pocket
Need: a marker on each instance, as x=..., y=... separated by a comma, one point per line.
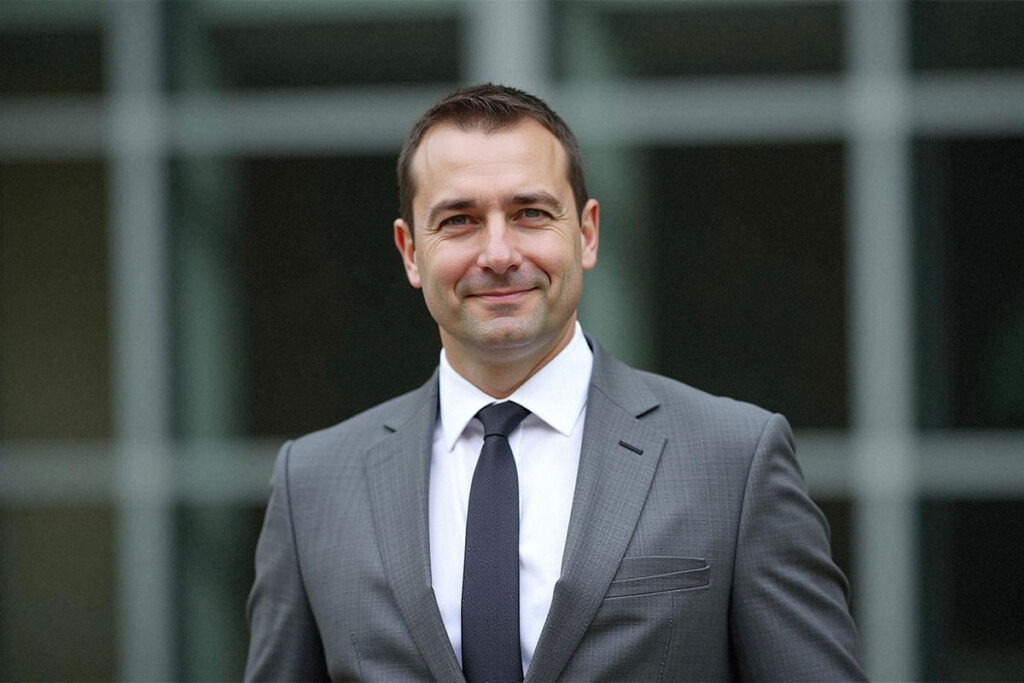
x=642, y=575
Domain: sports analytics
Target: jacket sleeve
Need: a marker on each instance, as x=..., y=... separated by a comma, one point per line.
x=284, y=642
x=789, y=617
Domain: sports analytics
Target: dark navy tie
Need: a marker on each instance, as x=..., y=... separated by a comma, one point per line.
x=490, y=580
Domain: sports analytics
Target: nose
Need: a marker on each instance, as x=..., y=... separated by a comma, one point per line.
x=500, y=250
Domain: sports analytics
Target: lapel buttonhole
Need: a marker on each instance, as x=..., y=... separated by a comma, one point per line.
x=638, y=451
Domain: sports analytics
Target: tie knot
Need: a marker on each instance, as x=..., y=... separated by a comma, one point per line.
x=499, y=419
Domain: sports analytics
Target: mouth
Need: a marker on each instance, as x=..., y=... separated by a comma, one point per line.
x=502, y=296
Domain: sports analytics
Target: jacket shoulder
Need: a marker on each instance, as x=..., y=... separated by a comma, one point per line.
x=660, y=400
x=676, y=397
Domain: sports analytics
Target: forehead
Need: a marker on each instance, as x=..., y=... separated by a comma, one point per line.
x=449, y=157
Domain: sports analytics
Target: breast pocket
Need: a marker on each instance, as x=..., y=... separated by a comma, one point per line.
x=643, y=575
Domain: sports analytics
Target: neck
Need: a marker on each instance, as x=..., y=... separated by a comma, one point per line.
x=501, y=372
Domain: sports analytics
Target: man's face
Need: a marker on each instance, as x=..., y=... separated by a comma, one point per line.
x=499, y=249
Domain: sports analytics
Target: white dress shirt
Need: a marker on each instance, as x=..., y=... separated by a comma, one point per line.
x=546, y=448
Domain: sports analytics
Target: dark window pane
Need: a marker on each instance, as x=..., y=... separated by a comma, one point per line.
x=970, y=259
x=332, y=53
x=664, y=40
x=57, y=597
x=215, y=570
x=333, y=325
x=839, y=514
x=54, y=349
x=972, y=596
x=750, y=275
x=980, y=34
x=50, y=63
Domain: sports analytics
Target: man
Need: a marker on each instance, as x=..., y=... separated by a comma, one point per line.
x=661, y=533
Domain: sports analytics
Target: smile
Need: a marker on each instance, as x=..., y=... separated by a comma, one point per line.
x=502, y=296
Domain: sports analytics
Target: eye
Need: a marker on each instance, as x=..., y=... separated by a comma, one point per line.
x=459, y=221
x=532, y=214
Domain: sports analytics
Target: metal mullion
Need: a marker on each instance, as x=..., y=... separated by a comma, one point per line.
x=638, y=112
x=140, y=324
x=493, y=55
x=236, y=471
x=878, y=170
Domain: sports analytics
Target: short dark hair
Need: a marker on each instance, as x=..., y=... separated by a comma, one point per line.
x=491, y=108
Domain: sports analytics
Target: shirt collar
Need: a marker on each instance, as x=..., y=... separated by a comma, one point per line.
x=556, y=394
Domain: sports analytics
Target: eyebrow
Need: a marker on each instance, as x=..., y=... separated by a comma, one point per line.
x=449, y=205
x=541, y=197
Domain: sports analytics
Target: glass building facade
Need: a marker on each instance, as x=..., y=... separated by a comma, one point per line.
x=814, y=206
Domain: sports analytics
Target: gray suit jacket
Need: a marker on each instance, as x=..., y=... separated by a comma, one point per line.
x=693, y=550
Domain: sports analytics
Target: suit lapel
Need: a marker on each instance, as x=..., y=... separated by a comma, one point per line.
x=397, y=471
x=618, y=458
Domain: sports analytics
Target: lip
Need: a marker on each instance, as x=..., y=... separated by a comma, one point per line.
x=502, y=296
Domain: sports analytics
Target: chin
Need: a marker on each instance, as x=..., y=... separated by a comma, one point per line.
x=508, y=334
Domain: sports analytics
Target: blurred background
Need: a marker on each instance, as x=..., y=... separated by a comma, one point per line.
x=814, y=206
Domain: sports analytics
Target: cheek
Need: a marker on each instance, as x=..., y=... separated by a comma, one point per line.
x=558, y=256
x=441, y=269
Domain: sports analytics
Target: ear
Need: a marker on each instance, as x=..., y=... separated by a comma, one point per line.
x=407, y=248
x=589, y=222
